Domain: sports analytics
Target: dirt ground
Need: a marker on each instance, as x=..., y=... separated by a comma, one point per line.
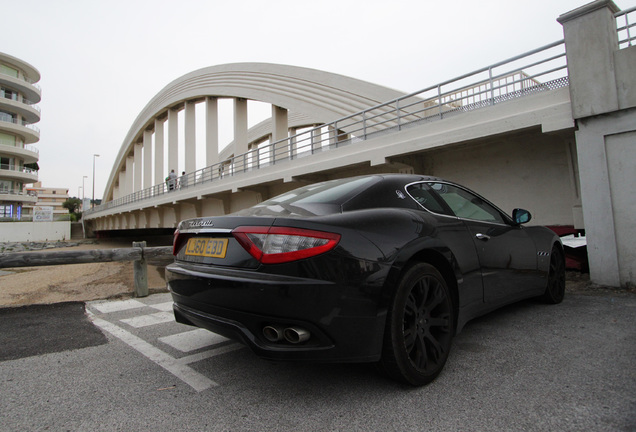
x=75, y=282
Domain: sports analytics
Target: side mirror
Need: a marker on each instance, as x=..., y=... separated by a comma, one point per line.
x=521, y=216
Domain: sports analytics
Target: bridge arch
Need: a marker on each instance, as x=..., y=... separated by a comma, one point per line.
x=300, y=97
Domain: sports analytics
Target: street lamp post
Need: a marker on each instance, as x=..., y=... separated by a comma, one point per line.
x=93, y=201
x=83, y=191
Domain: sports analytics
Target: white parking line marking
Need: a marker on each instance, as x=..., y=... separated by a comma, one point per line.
x=118, y=305
x=165, y=307
x=210, y=353
x=186, y=374
x=192, y=340
x=148, y=320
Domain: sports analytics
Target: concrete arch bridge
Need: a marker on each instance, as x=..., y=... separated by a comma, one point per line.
x=513, y=130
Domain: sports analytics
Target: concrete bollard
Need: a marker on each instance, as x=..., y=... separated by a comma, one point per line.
x=140, y=272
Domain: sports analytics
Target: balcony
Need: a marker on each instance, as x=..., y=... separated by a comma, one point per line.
x=17, y=196
x=25, y=175
x=30, y=133
x=28, y=154
x=30, y=113
x=31, y=91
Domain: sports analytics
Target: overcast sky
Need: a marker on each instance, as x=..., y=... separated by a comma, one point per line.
x=102, y=61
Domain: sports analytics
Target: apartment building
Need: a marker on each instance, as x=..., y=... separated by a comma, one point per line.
x=46, y=197
x=18, y=157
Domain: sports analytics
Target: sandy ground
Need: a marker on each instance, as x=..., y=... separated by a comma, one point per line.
x=75, y=282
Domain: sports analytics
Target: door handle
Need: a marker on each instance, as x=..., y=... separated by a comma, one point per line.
x=483, y=237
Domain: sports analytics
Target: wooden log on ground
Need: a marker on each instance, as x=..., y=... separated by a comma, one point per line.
x=50, y=258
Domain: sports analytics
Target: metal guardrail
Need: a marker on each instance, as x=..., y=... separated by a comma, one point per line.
x=7, y=191
x=139, y=254
x=625, y=23
x=539, y=70
x=14, y=97
x=28, y=147
x=21, y=123
x=25, y=79
x=24, y=170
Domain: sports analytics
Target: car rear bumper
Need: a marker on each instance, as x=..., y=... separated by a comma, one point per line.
x=344, y=324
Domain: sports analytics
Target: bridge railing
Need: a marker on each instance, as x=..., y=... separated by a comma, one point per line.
x=625, y=27
x=539, y=70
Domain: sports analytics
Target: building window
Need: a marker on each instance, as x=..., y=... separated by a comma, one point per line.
x=8, y=117
x=7, y=140
x=5, y=186
x=8, y=93
x=9, y=71
x=6, y=211
x=6, y=163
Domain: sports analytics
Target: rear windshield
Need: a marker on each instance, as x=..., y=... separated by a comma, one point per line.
x=317, y=199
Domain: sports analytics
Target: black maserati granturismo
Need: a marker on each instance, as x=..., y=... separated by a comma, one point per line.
x=378, y=268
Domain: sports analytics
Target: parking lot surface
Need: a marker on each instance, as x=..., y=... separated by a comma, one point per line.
x=126, y=365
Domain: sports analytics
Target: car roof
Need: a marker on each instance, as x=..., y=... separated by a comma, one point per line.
x=406, y=178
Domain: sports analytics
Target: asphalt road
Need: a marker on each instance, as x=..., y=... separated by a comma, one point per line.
x=529, y=366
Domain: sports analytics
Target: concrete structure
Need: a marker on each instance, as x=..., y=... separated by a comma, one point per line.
x=603, y=95
x=508, y=130
x=49, y=197
x=18, y=159
x=35, y=231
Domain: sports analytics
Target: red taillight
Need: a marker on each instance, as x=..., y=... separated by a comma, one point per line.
x=275, y=245
x=179, y=241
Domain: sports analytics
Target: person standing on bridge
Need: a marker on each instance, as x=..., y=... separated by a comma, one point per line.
x=172, y=180
x=183, y=180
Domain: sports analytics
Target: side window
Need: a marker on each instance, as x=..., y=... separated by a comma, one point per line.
x=466, y=205
x=421, y=193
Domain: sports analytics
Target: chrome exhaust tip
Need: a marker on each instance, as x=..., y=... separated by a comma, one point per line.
x=273, y=333
x=296, y=335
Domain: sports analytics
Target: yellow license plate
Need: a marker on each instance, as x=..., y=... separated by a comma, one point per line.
x=207, y=247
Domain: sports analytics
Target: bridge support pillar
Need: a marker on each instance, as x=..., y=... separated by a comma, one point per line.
x=316, y=139
x=279, y=132
x=240, y=126
x=155, y=218
x=159, y=172
x=190, y=137
x=212, y=207
x=137, y=153
x=602, y=80
x=147, y=145
x=173, y=141
x=211, y=131
x=128, y=177
x=293, y=145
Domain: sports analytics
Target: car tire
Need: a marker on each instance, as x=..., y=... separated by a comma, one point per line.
x=420, y=327
x=555, y=288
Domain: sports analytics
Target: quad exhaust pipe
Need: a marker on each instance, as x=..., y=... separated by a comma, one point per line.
x=293, y=335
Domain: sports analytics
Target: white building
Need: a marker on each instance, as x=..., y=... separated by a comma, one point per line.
x=47, y=197
x=18, y=113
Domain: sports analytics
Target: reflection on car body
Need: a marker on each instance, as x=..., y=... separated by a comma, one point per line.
x=380, y=268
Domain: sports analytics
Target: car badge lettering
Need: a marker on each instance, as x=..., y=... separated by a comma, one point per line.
x=204, y=223
x=399, y=194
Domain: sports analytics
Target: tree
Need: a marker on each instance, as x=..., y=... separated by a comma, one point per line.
x=72, y=204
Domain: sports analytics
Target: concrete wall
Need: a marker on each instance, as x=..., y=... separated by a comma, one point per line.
x=531, y=172
x=34, y=231
x=607, y=160
x=621, y=154
x=603, y=96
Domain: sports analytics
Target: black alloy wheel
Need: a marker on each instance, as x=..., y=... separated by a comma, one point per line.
x=420, y=327
x=555, y=289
